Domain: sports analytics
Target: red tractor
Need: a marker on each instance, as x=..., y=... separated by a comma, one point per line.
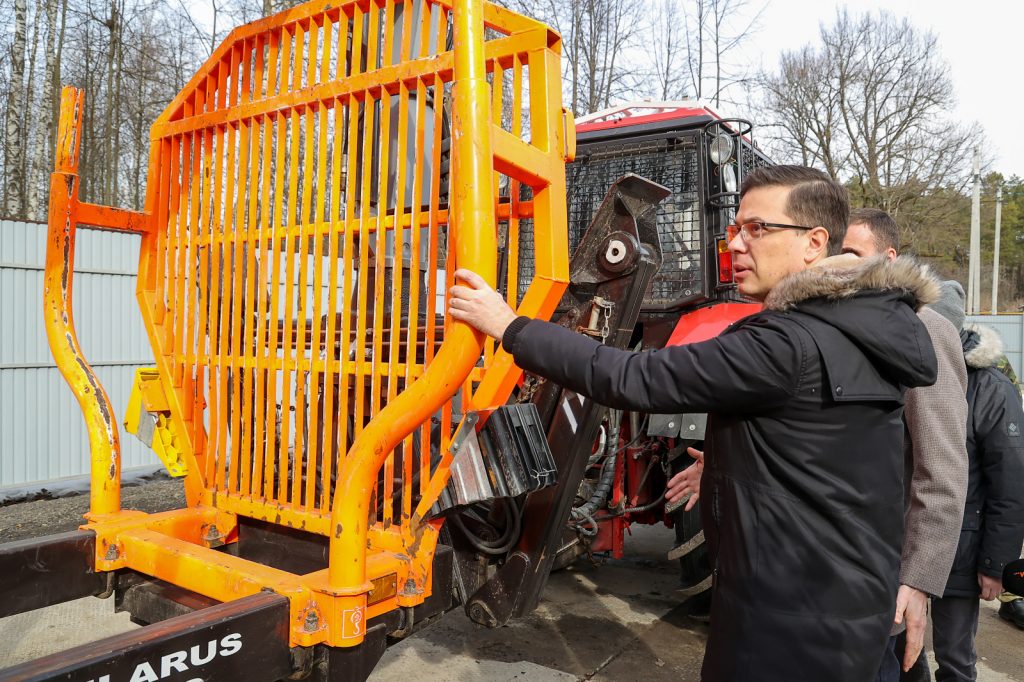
x=701, y=158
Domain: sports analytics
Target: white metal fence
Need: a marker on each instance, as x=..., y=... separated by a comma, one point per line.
x=42, y=433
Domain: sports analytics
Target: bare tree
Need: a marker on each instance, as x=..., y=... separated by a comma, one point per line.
x=596, y=37
x=871, y=106
x=691, y=43
x=668, y=49
x=730, y=23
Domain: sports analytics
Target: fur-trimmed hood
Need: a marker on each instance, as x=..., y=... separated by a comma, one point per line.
x=983, y=347
x=844, y=276
x=873, y=303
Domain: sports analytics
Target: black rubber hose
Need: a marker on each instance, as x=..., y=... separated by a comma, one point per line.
x=508, y=538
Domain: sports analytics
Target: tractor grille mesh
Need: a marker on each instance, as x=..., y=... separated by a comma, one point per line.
x=672, y=163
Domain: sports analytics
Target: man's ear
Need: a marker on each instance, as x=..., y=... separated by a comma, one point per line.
x=817, y=244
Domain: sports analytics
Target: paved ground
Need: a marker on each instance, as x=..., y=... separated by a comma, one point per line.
x=619, y=621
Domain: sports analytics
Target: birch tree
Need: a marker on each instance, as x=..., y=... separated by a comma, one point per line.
x=14, y=142
x=40, y=150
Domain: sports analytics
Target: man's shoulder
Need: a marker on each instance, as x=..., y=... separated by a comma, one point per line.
x=938, y=326
x=784, y=323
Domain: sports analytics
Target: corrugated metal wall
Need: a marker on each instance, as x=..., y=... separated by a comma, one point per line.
x=1011, y=328
x=42, y=434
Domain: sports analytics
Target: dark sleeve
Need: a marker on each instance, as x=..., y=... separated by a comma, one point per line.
x=756, y=366
x=998, y=419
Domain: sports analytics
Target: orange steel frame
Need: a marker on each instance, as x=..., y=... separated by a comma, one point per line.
x=308, y=145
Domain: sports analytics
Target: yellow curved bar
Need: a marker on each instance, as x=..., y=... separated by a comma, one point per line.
x=104, y=443
x=475, y=247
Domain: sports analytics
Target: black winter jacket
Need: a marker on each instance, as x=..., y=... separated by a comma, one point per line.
x=993, y=526
x=802, y=493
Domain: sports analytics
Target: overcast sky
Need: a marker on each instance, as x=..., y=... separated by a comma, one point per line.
x=980, y=40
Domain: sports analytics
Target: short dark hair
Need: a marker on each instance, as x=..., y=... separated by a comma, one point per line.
x=814, y=198
x=883, y=228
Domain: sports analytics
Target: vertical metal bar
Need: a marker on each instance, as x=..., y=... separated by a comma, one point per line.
x=405, y=49
x=226, y=467
x=307, y=230
x=380, y=285
x=235, y=231
x=202, y=235
x=256, y=273
x=292, y=237
x=398, y=293
x=248, y=176
x=58, y=278
x=261, y=360
x=303, y=224
x=185, y=321
x=201, y=348
x=168, y=203
x=434, y=247
x=474, y=247
x=415, y=275
x=165, y=233
x=275, y=142
x=276, y=455
x=348, y=381
x=260, y=246
x=214, y=148
x=337, y=352
x=425, y=28
x=515, y=186
x=336, y=218
x=321, y=216
x=363, y=410
x=176, y=256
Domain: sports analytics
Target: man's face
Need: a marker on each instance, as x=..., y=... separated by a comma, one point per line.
x=762, y=263
x=860, y=241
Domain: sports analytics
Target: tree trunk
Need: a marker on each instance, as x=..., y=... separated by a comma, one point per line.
x=115, y=106
x=55, y=82
x=29, y=124
x=40, y=149
x=108, y=114
x=14, y=155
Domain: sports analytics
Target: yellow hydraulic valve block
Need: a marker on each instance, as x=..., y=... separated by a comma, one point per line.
x=148, y=417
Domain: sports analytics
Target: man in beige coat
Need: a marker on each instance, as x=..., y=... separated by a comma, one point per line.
x=936, y=473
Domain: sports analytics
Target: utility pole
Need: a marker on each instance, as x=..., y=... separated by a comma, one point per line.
x=974, y=267
x=995, y=257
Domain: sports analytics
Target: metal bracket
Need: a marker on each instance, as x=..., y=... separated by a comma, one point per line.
x=148, y=417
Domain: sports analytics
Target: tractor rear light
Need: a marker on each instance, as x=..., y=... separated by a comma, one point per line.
x=724, y=262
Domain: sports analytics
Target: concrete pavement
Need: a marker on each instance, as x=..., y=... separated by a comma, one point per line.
x=618, y=621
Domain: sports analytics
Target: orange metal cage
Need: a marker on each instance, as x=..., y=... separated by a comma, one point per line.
x=311, y=192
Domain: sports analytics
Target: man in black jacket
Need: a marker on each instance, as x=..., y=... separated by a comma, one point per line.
x=802, y=483
x=993, y=525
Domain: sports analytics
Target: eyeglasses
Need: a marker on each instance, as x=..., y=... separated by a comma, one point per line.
x=756, y=229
